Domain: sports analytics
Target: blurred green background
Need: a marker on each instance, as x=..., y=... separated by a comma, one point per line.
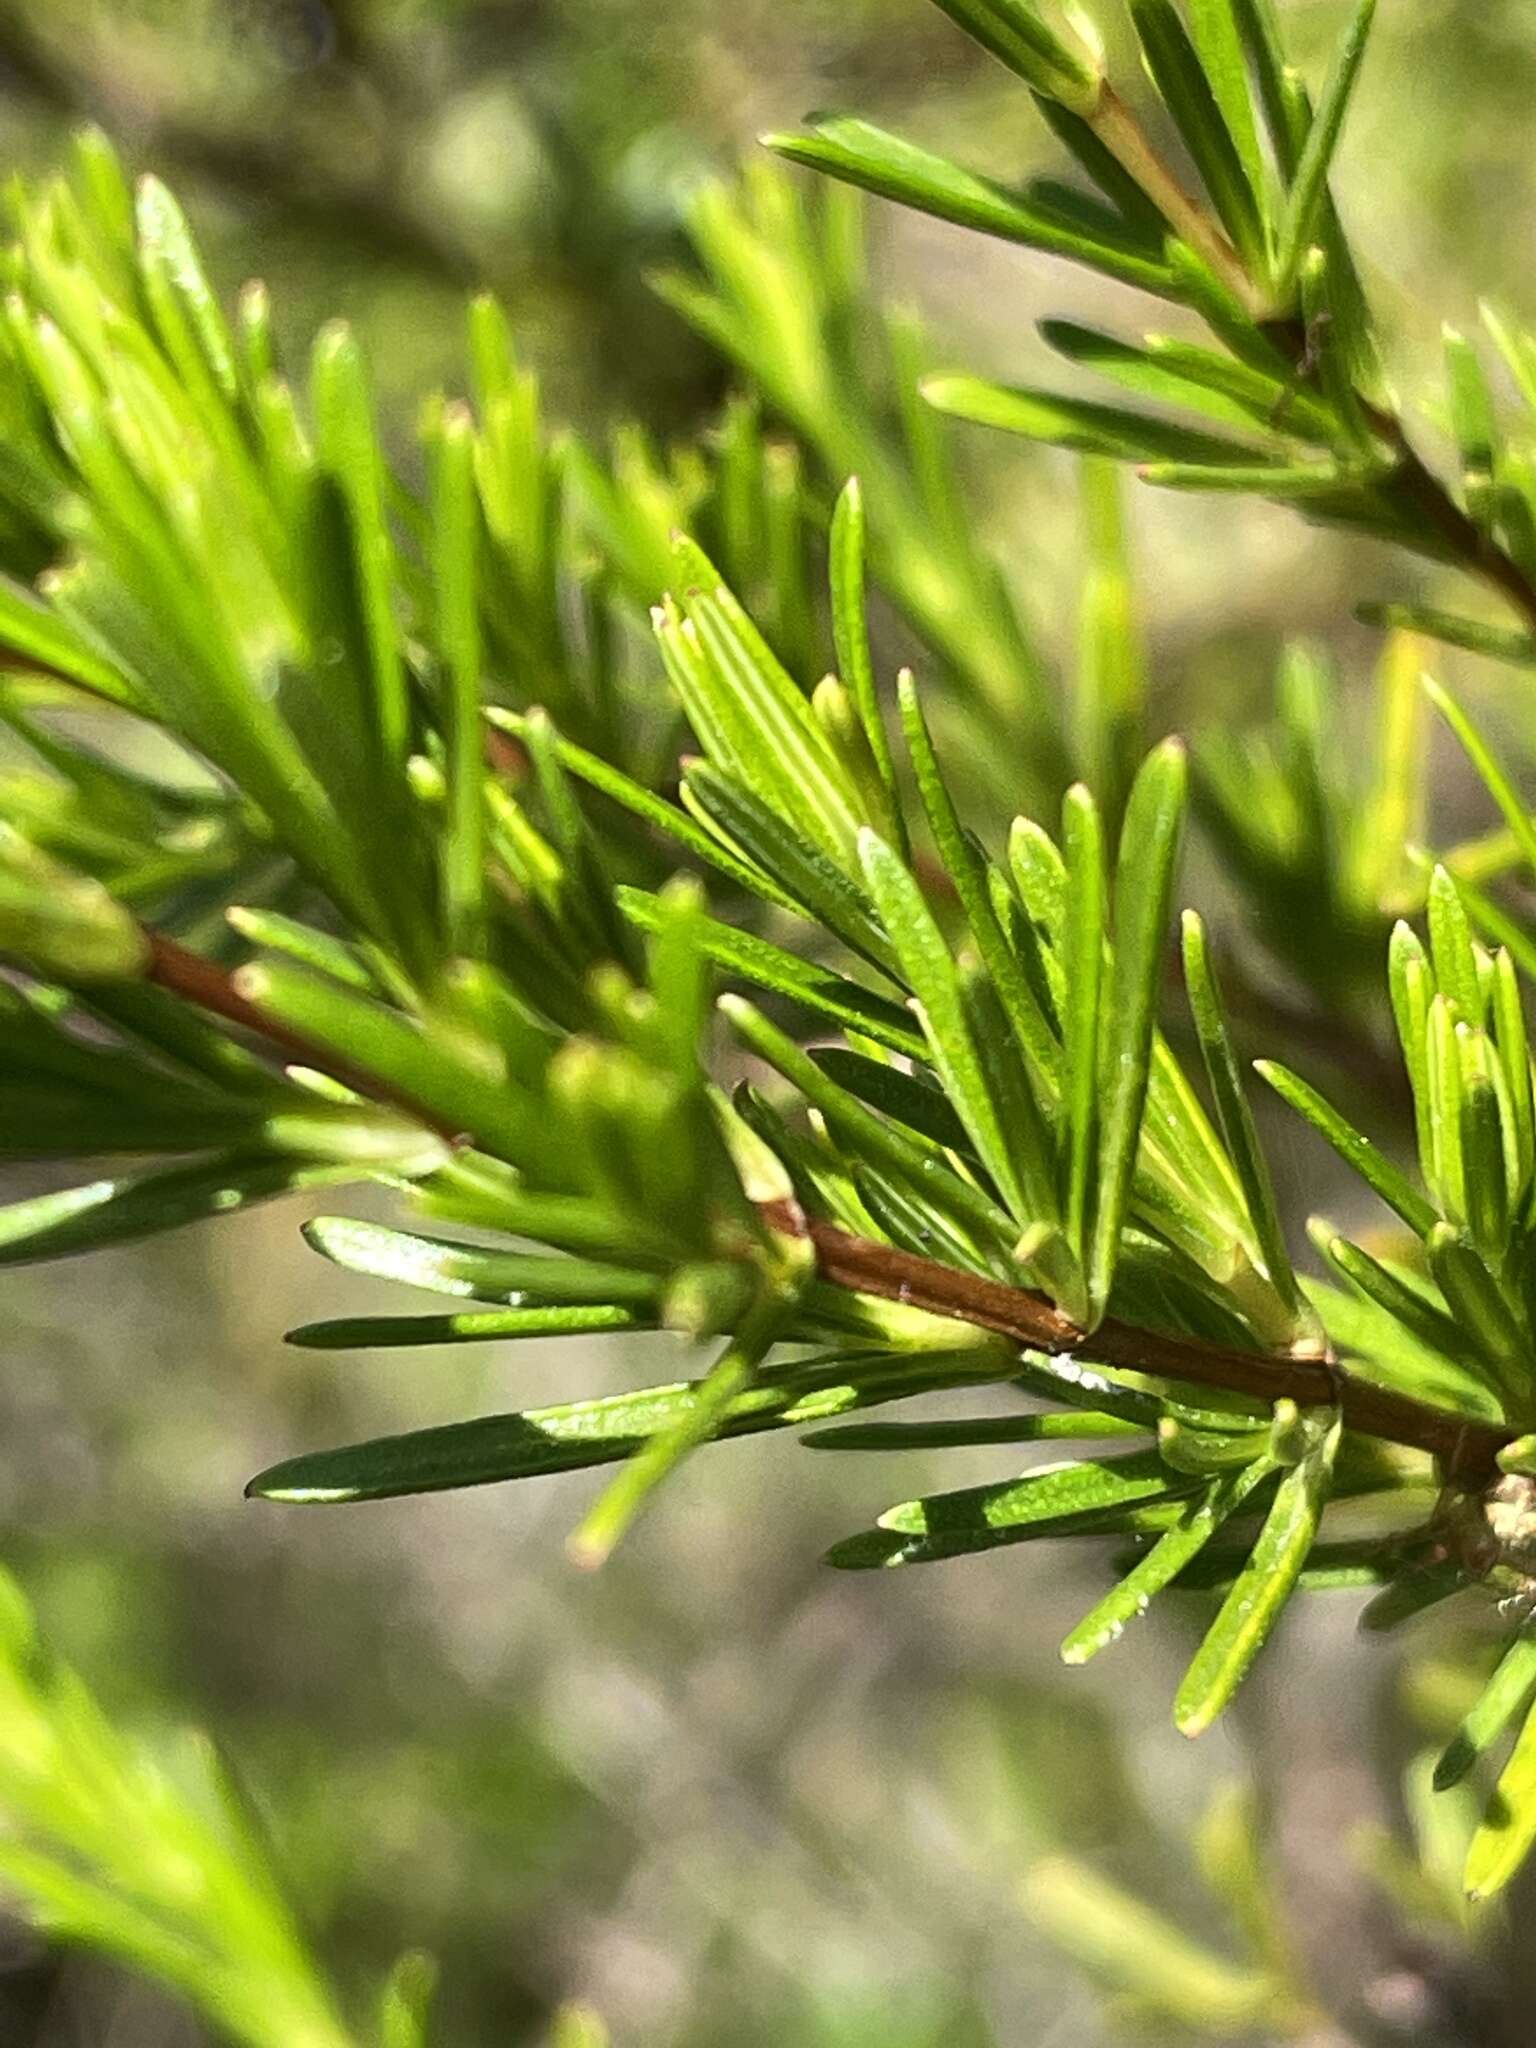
x=720, y=1794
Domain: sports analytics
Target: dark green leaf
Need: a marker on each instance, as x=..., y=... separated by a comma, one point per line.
x=1016, y=35
x=577, y=1434
x=998, y=1429
x=1055, y=1500
x=472, y=1326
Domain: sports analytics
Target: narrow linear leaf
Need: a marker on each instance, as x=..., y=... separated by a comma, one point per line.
x=472, y=1326
x=1090, y=429
x=930, y=970
x=850, y=632
x=625, y=1497
x=1500, y=1700
x=1083, y=960
x=1047, y=1493
x=455, y=558
x=1266, y=1582
x=967, y=870
x=758, y=961
x=868, y=157
x=1144, y=871
x=1017, y=36
x=1232, y=1110
x=1305, y=203
x=577, y=1434
x=1352, y=1146
x=475, y=1272
x=1508, y=1828
x=1170, y=1555
x=990, y=1429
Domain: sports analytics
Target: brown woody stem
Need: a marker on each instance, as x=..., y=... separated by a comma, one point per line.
x=1466, y=1449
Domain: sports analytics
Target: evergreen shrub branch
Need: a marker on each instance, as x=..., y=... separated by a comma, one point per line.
x=453, y=806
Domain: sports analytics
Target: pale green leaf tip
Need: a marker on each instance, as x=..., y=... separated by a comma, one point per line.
x=588, y=1550
x=153, y=199
x=335, y=341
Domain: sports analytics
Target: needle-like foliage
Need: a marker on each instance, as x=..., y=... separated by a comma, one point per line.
x=148, y=1852
x=1290, y=402
x=534, y=841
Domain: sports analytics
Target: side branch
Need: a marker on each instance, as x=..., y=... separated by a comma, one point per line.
x=1467, y=1449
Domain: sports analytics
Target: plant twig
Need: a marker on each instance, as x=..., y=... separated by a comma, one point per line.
x=176, y=968
x=1467, y=1449
x=1121, y=132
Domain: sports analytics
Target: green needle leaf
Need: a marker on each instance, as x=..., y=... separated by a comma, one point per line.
x=1083, y=959
x=991, y=1429
x=861, y=154
x=1052, y=1500
x=474, y=1272
x=1016, y=35
x=967, y=870
x=1500, y=1700
x=1217, y=36
x=850, y=631
x=582, y=1433
x=811, y=878
x=606, y=1522
x=1090, y=429
x=1197, y=1524
x=930, y=971
x=1508, y=1829
x=1305, y=204
x=1144, y=871
x=105, y=1212
x=758, y=961
x=1172, y=372
x=349, y=447
x=455, y=558
x=1232, y=1110
x=1188, y=94
x=1265, y=1584
x=1352, y=1146
x=472, y=1326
